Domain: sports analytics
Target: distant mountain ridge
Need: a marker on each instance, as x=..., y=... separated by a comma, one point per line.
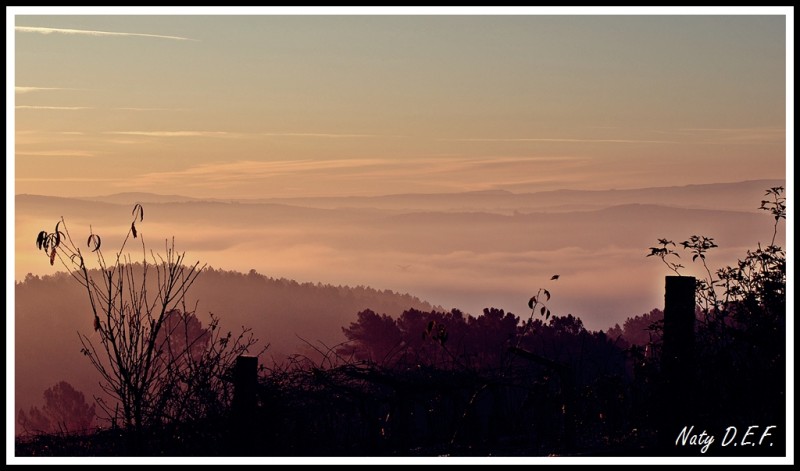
x=470, y=250
x=133, y=197
x=50, y=309
x=733, y=196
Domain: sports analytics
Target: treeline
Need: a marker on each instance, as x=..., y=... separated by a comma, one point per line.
x=51, y=309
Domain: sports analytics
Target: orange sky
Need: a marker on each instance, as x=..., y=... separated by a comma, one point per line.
x=262, y=106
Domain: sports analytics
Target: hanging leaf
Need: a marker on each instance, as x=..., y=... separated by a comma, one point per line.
x=542, y=310
x=548, y=314
x=554, y=277
x=138, y=208
x=532, y=301
x=133, y=230
x=53, y=256
x=93, y=239
x=96, y=323
x=40, y=239
x=547, y=293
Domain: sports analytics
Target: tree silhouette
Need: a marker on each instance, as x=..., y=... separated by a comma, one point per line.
x=372, y=337
x=65, y=410
x=151, y=353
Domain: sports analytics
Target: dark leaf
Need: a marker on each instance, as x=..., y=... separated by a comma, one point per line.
x=53, y=256
x=133, y=230
x=532, y=302
x=94, y=239
x=138, y=207
x=548, y=314
x=40, y=239
x=547, y=293
x=554, y=277
x=542, y=310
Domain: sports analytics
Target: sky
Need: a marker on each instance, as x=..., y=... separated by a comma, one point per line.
x=256, y=106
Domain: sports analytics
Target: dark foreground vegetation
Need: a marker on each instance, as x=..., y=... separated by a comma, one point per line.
x=431, y=383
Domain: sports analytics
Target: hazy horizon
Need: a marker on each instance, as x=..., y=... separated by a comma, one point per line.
x=465, y=250
x=385, y=195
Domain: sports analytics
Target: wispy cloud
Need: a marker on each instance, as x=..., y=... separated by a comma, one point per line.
x=125, y=108
x=320, y=135
x=252, y=170
x=55, y=153
x=742, y=135
x=175, y=133
x=723, y=130
x=67, y=179
x=22, y=90
x=219, y=174
x=61, y=108
x=537, y=139
x=361, y=176
x=129, y=108
x=84, y=32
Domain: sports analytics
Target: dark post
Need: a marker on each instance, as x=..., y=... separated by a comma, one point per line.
x=245, y=382
x=245, y=374
x=677, y=359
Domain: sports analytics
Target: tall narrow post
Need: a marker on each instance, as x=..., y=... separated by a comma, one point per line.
x=677, y=359
x=245, y=384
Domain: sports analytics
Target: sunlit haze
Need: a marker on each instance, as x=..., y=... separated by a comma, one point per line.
x=463, y=160
x=277, y=108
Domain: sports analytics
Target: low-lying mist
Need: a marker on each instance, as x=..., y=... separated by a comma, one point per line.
x=453, y=252
x=466, y=251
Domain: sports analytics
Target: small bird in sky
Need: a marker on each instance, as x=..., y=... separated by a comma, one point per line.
x=554, y=277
